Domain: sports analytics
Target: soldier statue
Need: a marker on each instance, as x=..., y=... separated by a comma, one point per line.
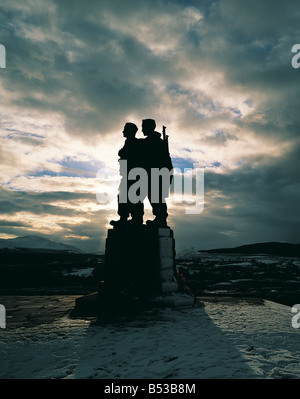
x=131, y=154
x=156, y=156
x=151, y=155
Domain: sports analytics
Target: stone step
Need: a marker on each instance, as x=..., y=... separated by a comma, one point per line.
x=169, y=287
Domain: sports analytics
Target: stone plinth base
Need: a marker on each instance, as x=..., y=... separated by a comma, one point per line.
x=95, y=305
x=140, y=270
x=140, y=261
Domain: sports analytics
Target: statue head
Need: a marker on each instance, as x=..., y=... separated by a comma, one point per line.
x=148, y=126
x=130, y=130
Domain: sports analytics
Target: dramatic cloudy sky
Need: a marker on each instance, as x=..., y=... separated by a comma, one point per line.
x=218, y=74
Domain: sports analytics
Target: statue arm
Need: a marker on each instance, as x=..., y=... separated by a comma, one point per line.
x=123, y=151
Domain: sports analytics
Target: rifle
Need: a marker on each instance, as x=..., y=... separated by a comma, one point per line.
x=166, y=138
x=169, y=161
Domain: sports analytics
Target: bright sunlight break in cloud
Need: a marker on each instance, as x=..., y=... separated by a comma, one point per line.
x=218, y=74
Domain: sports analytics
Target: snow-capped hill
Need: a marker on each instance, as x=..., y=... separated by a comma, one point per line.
x=36, y=242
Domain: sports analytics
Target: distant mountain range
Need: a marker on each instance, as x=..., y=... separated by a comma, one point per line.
x=268, y=248
x=33, y=242
x=36, y=243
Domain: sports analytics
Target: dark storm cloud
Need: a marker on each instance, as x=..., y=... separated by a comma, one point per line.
x=6, y=223
x=251, y=44
x=83, y=63
x=38, y=203
x=96, y=62
x=94, y=75
x=254, y=203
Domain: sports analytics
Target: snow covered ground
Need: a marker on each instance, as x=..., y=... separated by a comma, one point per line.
x=221, y=339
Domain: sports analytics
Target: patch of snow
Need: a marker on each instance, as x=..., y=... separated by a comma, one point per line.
x=239, y=264
x=80, y=272
x=218, y=340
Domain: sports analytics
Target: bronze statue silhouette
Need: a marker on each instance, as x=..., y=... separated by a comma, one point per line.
x=130, y=153
x=156, y=156
x=136, y=268
x=150, y=156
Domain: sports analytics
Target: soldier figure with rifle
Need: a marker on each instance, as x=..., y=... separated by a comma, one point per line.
x=156, y=157
x=151, y=155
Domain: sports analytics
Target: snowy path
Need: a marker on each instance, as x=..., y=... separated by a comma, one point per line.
x=217, y=340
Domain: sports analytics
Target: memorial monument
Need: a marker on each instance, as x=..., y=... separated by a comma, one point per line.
x=140, y=258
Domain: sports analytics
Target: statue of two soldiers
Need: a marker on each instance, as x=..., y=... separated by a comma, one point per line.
x=148, y=159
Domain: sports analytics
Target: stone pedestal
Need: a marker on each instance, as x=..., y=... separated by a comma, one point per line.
x=140, y=261
x=140, y=265
x=140, y=274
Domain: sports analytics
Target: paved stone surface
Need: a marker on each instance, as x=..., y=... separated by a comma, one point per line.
x=33, y=310
x=30, y=311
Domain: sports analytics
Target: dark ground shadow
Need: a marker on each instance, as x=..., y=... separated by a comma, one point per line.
x=160, y=344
